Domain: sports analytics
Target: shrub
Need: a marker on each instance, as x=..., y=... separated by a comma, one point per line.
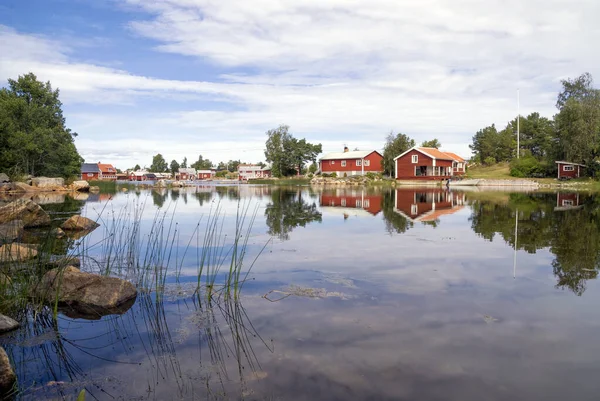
x=345, y=175
x=489, y=160
x=310, y=175
x=333, y=175
x=527, y=166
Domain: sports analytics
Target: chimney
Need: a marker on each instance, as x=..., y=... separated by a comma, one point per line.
x=345, y=148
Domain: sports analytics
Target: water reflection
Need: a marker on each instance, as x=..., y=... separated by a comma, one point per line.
x=351, y=202
x=289, y=209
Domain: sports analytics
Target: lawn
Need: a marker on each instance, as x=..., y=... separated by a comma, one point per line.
x=500, y=171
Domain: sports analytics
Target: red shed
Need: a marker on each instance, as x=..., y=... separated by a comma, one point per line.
x=420, y=163
x=568, y=169
x=357, y=162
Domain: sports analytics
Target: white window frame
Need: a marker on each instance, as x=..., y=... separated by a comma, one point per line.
x=415, y=158
x=343, y=163
x=332, y=162
x=567, y=202
x=358, y=203
x=366, y=203
x=367, y=163
x=568, y=168
x=343, y=202
x=414, y=209
x=90, y=174
x=358, y=163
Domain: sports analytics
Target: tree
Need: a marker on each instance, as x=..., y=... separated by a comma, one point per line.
x=288, y=210
x=578, y=121
x=489, y=144
x=159, y=165
x=394, y=146
x=33, y=135
x=137, y=167
x=313, y=168
x=184, y=163
x=201, y=164
x=286, y=153
x=232, y=165
x=174, y=167
x=434, y=143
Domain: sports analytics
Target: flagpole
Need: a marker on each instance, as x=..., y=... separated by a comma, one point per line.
x=518, y=121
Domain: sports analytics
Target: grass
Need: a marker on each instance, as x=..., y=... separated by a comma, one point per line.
x=499, y=171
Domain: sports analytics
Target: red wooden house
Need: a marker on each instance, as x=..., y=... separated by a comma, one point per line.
x=567, y=201
x=567, y=170
x=357, y=162
x=109, y=172
x=427, y=204
x=90, y=171
x=345, y=199
x=253, y=171
x=205, y=174
x=419, y=163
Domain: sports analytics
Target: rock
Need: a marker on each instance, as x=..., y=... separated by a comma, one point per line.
x=57, y=233
x=21, y=187
x=63, y=262
x=11, y=231
x=4, y=178
x=80, y=186
x=7, y=375
x=16, y=252
x=79, y=223
x=86, y=295
x=48, y=183
x=94, y=188
x=26, y=210
x=7, y=324
x=124, y=189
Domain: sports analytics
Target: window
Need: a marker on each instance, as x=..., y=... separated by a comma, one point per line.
x=567, y=202
x=343, y=203
x=415, y=158
x=332, y=162
x=568, y=168
x=414, y=209
x=343, y=163
x=367, y=163
x=366, y=203
x=358, y=203
x=358, y=162
x=90, y=174
x=459, y=165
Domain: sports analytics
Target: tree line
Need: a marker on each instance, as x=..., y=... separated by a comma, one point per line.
x=573, y=134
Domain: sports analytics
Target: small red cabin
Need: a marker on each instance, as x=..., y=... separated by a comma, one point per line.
x=420, y=163
x=568, y=170
x=358, y=162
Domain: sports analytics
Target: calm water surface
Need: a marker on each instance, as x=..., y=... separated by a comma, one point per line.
x=379, y=294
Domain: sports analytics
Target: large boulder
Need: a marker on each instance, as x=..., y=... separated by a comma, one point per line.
x=80, y=186
x=21, y=187
x=47, y=183
x=4, y=178
x=26, y=210
x=86, y=295
x=11, y=231
x=7, y=375
x=7, y=324
x=79, y=223
x=16, y=253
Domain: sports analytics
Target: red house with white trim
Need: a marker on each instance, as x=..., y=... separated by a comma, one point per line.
x=351, y=199
x=427, y=204
x=567, y=170
x=357, y=162
x=419, y=163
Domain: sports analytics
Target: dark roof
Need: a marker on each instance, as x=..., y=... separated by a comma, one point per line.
x=150, y=175
x=90, y=168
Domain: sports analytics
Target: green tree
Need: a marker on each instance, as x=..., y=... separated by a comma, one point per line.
x=394, y=146
x=489, y=144
x=232, y=165
x=578, y=122
x=201, y=164
x=313, y=168
x=303, y=152
x=286, y=153
x=434, y=143
x=159, y=165
x=288, y=210
x=174, y=167
x=137, y=167
x=33, y=135
x=184, y=163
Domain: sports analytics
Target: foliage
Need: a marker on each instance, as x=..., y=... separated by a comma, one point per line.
x=313, y=168
x=201, y=164
x=137, y=167
x=159, y=165
x=527, y=166
x=394, y=146
x=488, y=161
x=184, y=163
x=434, y=143
x=174, y=167
x=287, y=154
x=288, y=210
x=33, y=136
x=488, y=142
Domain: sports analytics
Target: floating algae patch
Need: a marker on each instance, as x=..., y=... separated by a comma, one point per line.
x=305, y=292
x=343, y=281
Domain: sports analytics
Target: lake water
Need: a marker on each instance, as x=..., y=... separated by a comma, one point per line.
x=354, y=294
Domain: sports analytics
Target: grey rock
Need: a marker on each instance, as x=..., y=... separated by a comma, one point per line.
x=45, y=182
x=11, y=231
x=16, y=253
x=26, y=210
x=4, y=178
x=80, y=186
x=86, y=295
x=7, y=324
x=79, y=223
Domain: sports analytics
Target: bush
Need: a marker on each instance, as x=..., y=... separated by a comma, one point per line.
x=527, y=166
x=372, y=176
x=489, y=160
x=310, y=175
x=333, y=175
x=345, y=175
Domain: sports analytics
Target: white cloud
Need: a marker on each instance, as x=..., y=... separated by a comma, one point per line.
x=337, y=72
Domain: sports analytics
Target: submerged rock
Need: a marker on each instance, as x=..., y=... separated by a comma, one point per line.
x=64, y=261
x=11, y=231
x=7, y=324
x=4, y=178
x=80, y=186
x=26, y=210
x=57, y=233
x=7, y=375
x=79, y=223
x=16, y=253
x=86, y=295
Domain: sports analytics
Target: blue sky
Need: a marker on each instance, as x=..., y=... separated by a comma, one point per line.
x=190, y=77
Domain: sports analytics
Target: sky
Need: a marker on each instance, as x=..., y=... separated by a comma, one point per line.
x=209, y=77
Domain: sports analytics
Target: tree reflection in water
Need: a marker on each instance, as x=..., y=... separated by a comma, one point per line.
x=287, y=210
